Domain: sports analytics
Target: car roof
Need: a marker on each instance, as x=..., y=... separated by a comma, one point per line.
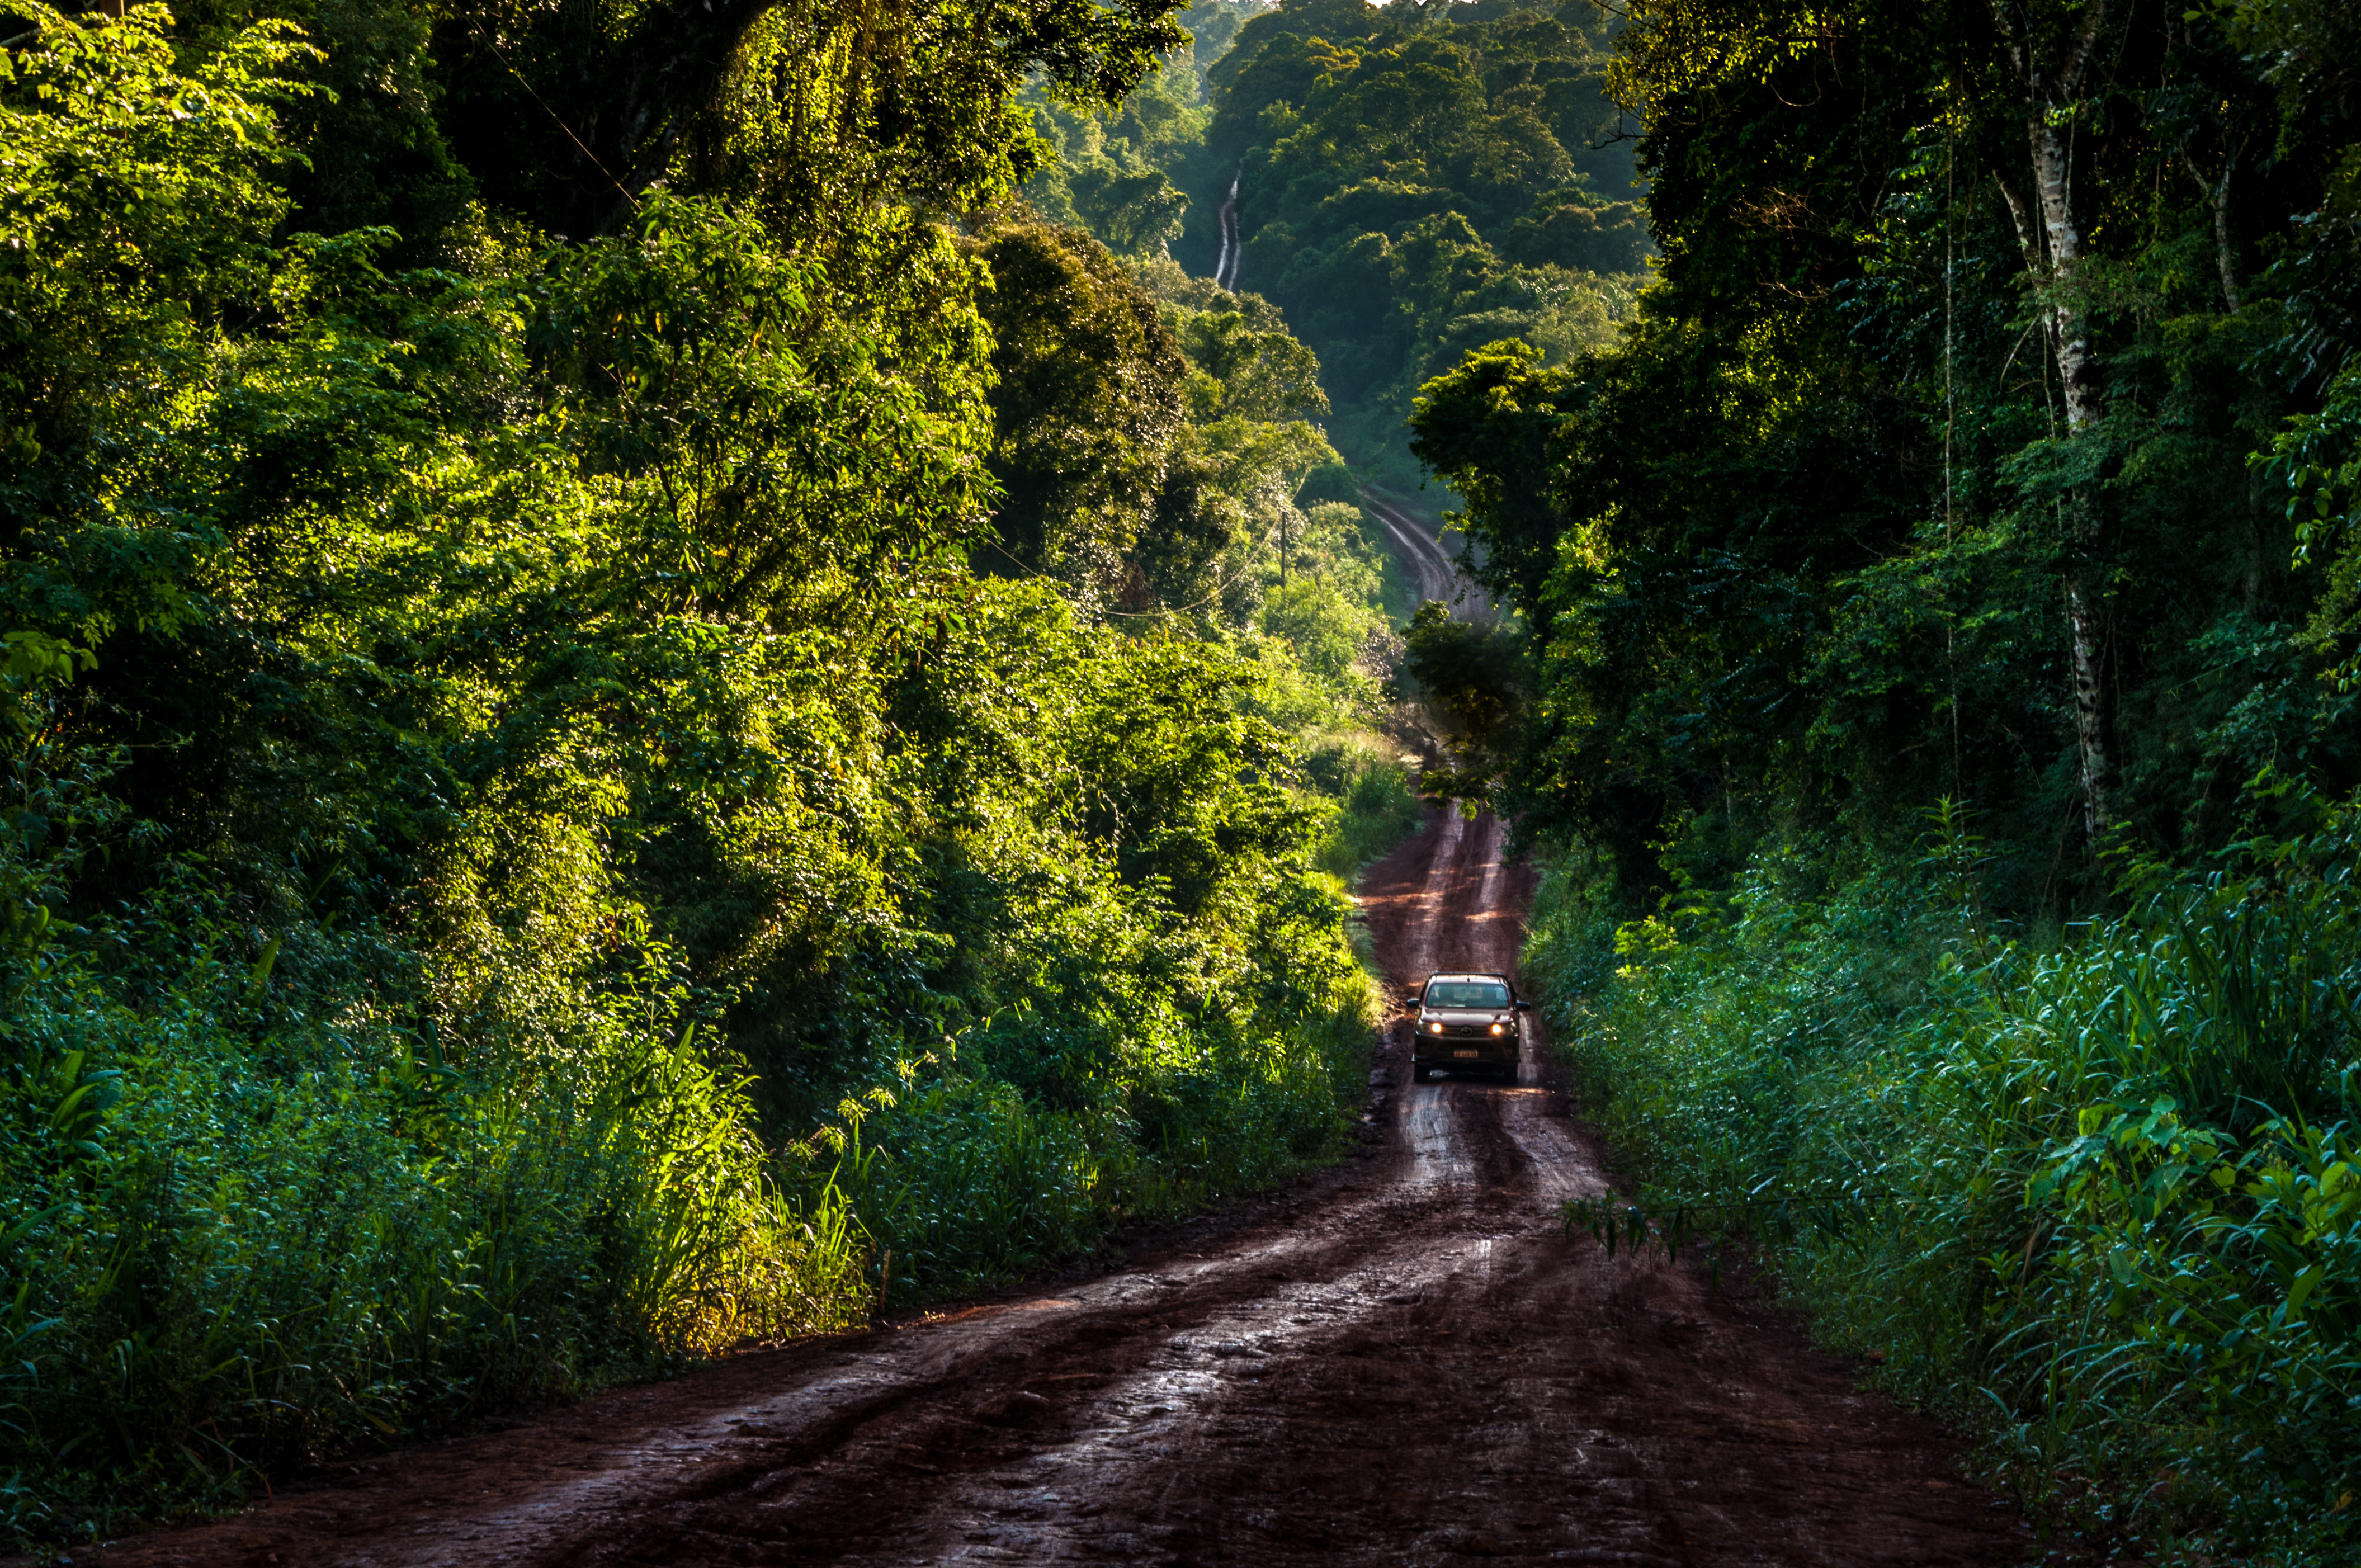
x=1455, y=978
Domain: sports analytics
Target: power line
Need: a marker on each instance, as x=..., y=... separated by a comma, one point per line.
x=483, y=39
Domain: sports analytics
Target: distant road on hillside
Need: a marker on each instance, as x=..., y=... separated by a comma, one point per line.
x=1423, y=555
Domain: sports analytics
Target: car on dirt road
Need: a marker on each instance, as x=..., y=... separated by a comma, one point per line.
x=1465, y=1023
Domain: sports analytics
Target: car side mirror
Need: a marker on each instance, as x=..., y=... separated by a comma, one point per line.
x=1524, y=1006
x=1411, y=1000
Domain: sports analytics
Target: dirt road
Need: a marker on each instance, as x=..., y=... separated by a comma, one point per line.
x=1225, y=218
x=1399, y=1361
x=1431, y=567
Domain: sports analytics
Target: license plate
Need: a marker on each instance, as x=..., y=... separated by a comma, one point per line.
x=1468, y=1056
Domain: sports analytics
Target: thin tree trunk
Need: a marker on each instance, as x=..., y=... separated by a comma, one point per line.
x=2078, y=379
x=2053, y=255
x=2069, y=336
x=2223, y=252
x=2086, y=627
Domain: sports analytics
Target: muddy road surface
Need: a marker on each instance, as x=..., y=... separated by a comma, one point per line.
x=1401, y=1361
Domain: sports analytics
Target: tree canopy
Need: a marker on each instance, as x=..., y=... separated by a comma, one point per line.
x=1973, y=441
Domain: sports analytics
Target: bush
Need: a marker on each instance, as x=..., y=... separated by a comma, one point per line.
x=961, y=1182
x=1332, y=483
x=1377, y=811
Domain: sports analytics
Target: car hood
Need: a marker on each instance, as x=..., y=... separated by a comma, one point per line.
x=1464, y=1015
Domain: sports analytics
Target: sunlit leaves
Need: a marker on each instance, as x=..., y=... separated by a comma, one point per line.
x=134, y=211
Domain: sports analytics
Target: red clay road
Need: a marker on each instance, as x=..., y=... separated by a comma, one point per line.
x=1401, y=1361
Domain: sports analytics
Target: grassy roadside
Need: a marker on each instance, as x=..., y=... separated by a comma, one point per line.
x=2094, y=1201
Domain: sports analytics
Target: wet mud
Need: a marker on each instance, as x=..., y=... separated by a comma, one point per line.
x=1400, y=1361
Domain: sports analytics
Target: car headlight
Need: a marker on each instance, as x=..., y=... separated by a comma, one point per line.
x=1498, y=1030
x=1434, y=1028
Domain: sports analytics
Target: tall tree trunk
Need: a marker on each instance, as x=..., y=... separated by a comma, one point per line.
x=2225, y=254
x=2053, y=255
x=2086, y=635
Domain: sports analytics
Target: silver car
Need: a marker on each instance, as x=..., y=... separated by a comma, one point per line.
x=1465, y=1023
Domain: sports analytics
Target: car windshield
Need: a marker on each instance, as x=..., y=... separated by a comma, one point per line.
x=1467, y=993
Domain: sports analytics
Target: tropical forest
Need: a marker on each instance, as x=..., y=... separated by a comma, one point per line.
x=772, y=706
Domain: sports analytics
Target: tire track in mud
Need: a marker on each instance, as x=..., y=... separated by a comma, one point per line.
x=1401, y=1360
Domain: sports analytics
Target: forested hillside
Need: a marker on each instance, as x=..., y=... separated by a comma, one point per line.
x=1409, y=181
x=1936, y=698
x=640, y=712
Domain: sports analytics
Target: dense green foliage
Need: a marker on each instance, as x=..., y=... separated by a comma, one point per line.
x=1983, y=451
x=573, y=801
x=1473, y=679
x=1799, y=547
x=1115, y=168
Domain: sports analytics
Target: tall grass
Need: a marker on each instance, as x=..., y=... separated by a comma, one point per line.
x=220, y=1262
x=2098, y=1202
x=1375, y=809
